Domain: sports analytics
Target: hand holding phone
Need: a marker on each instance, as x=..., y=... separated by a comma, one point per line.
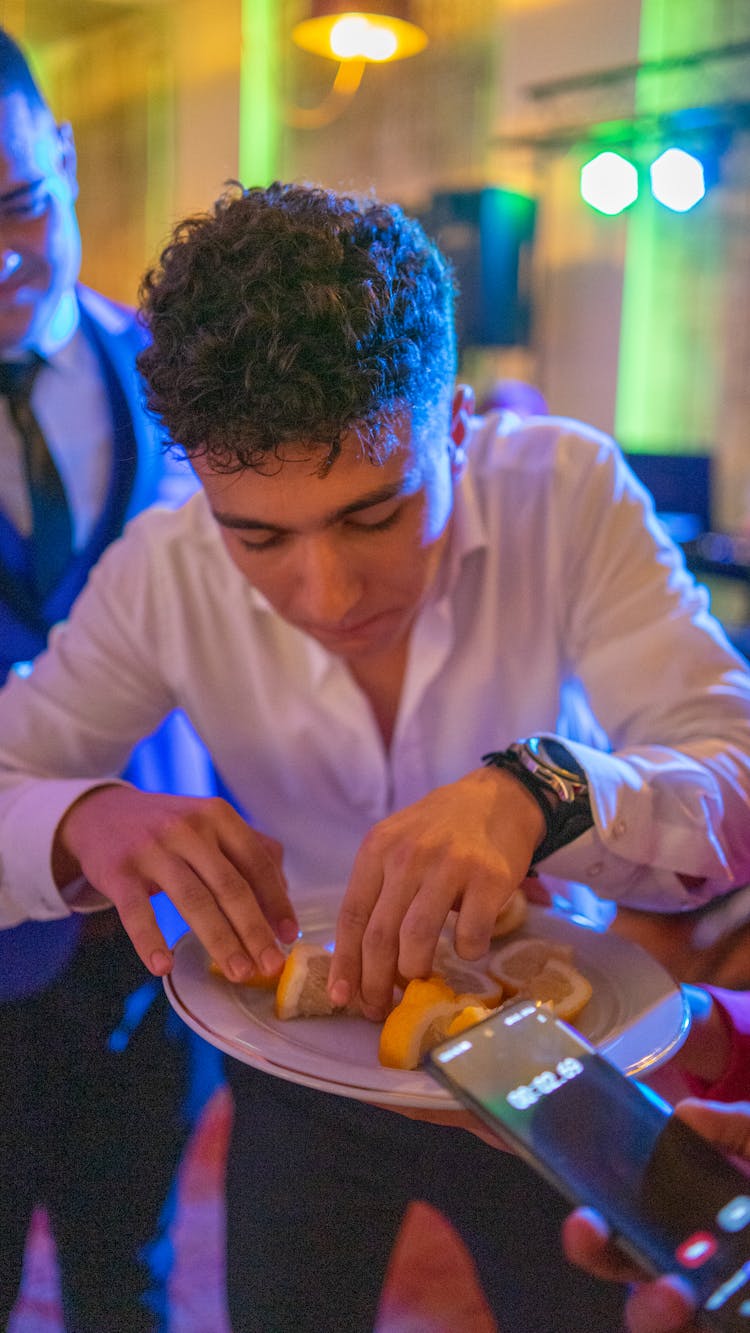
x=673, y=1201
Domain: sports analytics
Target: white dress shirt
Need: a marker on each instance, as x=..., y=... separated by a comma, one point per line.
x=562, y=608
x=71, y=404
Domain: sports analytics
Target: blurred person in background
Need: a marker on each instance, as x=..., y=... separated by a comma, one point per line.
x=99, y=1084
x=518, y=396
x=371, y=612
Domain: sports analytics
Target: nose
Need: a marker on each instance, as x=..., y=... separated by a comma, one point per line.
x=327, y=585
x=10, y=260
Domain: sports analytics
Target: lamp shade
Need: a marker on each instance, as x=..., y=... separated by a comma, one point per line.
x=383, y=31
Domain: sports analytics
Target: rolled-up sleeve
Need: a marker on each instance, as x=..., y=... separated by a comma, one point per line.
x=71, y=724
x=671, y=797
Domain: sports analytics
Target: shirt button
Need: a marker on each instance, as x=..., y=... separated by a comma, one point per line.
x=619, y=828
x=595, y=869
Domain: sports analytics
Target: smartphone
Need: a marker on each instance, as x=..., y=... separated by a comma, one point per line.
x=675, y=1203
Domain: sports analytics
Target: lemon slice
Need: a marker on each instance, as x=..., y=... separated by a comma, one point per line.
x=512, y=915
x=466, y=1018
x=561, y=985
x=471, y=978
x=517, y=962
x=301, y=991
x=255, y=979
x=418, y=1022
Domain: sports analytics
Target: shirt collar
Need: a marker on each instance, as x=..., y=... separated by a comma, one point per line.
x=468, y=531
x=59, y=332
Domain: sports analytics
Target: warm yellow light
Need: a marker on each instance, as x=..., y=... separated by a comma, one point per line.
x=356, y=37
x=360, y=36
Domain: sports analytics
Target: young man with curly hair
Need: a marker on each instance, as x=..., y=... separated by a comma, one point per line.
x=373, y=590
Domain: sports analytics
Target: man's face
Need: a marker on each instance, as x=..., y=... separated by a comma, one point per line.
x=39, y=238
x=348, y=557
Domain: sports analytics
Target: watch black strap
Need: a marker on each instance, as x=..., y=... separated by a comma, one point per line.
x=565, y=820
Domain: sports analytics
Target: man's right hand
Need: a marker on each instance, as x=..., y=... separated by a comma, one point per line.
x=224, y=877
x=661, y=1305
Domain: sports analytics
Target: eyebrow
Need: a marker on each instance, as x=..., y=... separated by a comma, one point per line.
x=389, y=492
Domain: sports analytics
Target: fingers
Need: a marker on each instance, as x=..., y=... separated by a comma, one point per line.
x=258, y=858
x=390, y=919
x=662, y=1306
x=134, y=908
x=469, y=842
x=228, y=886
x=478, y=914
x=214, y=900
x=393, y=912
x=224, y=879
x=586, y=1242
x=363, y=890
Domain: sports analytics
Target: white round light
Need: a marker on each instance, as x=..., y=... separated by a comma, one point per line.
x=609, y=183
x=677, y=180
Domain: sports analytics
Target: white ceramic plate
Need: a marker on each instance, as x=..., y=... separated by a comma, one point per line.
x=637, y=1015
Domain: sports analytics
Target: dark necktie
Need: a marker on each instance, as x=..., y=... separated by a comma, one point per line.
x=52, y=534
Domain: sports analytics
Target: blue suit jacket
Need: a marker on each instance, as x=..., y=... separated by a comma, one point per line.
x=138, y=469
x=32, y=955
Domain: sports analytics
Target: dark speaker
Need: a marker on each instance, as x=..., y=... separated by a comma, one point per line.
x=487, y=235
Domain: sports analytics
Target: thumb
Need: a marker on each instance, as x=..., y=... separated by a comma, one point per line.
x=726, y=1125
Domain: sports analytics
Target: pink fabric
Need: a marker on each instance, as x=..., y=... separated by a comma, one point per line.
x=734, y=1086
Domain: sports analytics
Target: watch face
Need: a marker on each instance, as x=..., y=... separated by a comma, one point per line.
x=550, y=751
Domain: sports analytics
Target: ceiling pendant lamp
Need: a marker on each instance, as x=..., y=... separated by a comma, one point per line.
x=381, y=32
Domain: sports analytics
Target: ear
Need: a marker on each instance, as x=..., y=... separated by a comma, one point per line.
x=461, y=409
x=68, y=158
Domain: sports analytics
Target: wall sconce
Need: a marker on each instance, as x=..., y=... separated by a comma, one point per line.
x=355, y=38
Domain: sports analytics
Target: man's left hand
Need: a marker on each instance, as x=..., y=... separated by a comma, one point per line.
x=465, y=846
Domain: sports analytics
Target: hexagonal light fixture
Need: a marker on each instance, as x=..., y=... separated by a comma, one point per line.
x=677, y=180
x=609, y=183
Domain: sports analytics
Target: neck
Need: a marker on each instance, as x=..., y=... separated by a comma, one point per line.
x=381, y=679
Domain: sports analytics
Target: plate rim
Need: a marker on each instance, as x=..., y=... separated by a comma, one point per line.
x=418, y=1090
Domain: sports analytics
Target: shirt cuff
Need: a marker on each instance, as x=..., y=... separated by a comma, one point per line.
x=604, y=856
x=26, y=872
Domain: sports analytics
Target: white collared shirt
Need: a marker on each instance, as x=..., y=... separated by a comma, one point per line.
x=70, y=401
x=560, y=598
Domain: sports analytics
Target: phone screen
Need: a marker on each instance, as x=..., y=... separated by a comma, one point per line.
x=606, y=1140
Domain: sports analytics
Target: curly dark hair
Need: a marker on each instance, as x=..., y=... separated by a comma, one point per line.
x=295, y=314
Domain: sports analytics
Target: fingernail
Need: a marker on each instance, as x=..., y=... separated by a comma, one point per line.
x=239, y=966
x=271, y=961
x=375, y=1012
x=340, y=992
x=288, y=931
x=161, y=962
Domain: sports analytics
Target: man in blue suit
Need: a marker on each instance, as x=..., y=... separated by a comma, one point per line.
x=93, y=1100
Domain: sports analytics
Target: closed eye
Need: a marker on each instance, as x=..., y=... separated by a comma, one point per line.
x=365, y=520
x=263, y=543
x=375, y=519
x=27, y=206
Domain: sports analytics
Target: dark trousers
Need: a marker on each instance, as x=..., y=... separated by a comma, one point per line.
x=318, y=1185
x=93, y=1119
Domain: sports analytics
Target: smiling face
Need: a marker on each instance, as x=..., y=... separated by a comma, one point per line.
x=39, y=237
x=348, y=556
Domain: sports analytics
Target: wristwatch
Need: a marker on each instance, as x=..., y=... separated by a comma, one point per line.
x=556, y=781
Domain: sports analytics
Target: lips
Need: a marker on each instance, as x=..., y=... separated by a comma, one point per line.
x=341, y=633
